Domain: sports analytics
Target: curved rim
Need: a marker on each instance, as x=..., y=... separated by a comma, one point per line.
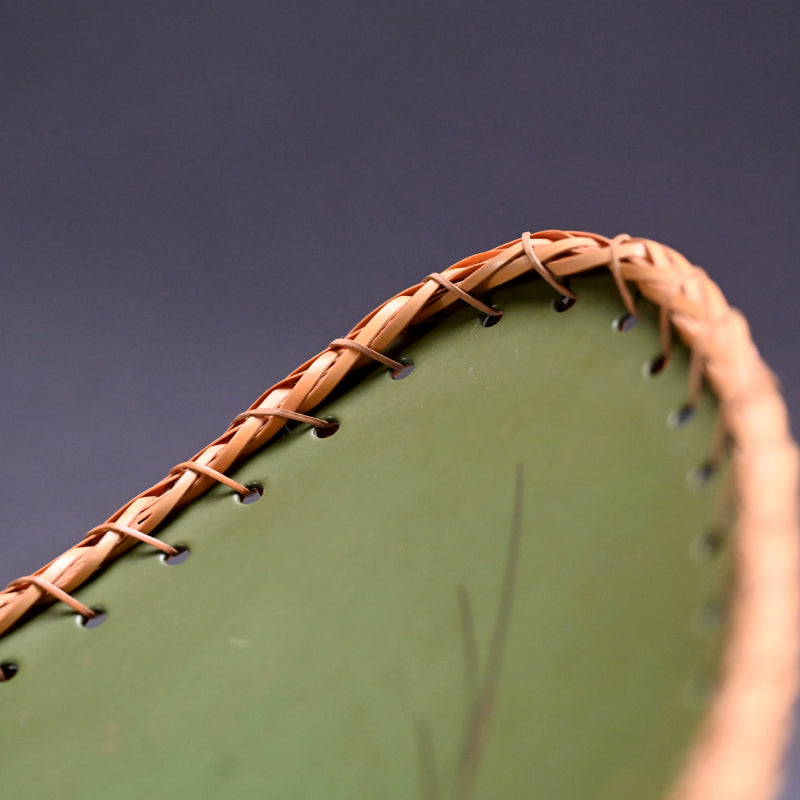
x=739, y=750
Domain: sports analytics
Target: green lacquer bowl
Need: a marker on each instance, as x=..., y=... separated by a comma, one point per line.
x=503, y=577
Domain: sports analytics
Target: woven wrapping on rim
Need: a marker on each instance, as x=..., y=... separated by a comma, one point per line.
x=739, y=750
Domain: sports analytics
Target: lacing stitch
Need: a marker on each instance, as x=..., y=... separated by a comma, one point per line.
x=54, y=591
x=665, y=334
x=210, y=472
x=616, y=270
x=126, y=530
x=527, y=246
x=446, y=283
x=285, y=413
x=697, y=359
x=395, y=366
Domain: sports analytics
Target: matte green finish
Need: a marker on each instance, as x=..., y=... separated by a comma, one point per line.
x=312, y=642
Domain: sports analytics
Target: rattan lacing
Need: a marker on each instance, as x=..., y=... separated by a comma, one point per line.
x=739, y=750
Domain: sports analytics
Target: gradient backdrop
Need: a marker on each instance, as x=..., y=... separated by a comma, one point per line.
x=196, y=196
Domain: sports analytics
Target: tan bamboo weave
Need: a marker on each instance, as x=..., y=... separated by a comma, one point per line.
x=739, y=751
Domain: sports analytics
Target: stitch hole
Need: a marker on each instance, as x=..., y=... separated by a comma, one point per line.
x=490, y=320
x=403, y=372
x=100, y=616
x=656, y=366
x=563, y=303
x=624, y=323
x=181, y=556
x=709, y=619
x=327, y=431
x=700, y=475
x=697, y=692
x=8, y=669
x=255, y=492
x=707, y=546
x=683, y=415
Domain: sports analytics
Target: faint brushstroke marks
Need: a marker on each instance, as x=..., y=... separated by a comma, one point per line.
x=480, y=695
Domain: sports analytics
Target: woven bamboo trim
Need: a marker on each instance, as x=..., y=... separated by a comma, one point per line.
x=739, y=751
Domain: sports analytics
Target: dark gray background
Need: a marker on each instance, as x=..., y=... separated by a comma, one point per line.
x=196, y=196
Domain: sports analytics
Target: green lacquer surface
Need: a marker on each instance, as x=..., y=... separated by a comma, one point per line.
x=312, y=645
